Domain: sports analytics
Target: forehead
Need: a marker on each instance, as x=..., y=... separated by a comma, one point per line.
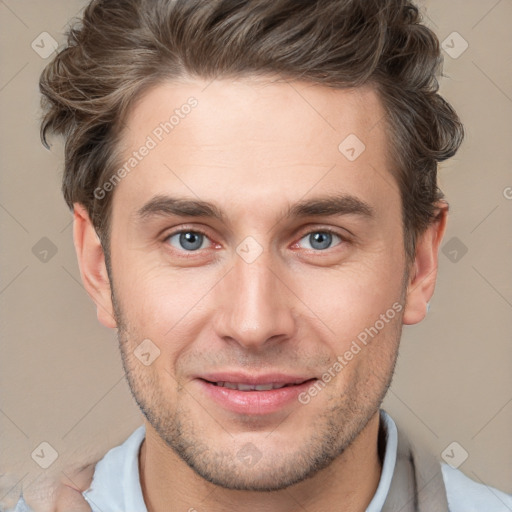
x=240, y=140
x=259, y=110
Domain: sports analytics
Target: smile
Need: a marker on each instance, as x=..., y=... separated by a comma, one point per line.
x=251, y=387
x=253, y=399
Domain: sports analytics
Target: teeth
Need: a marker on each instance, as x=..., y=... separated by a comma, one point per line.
x=267, y=387
x=250, y=387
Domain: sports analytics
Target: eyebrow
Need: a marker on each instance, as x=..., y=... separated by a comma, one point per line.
x=160, y=206
x=336, y=205
x=342, y=204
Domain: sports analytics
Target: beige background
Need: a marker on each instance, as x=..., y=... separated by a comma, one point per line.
x=61, y=377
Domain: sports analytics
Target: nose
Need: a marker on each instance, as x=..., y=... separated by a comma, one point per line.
x=255, y=305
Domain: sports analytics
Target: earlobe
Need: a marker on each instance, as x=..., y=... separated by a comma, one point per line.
x=91, y=261
x=423, y=273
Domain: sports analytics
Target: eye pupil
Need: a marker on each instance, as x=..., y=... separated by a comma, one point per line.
x=190, y=240
x=322, y=238
x=193, y=240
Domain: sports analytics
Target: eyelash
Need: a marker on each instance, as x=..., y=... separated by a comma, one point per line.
x=190, y=254
x=322, y=230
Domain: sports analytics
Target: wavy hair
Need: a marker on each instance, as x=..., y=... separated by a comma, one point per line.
x=120, y=48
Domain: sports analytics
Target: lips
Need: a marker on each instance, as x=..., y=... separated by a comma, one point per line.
x=246, y=382
x=251, y=387
x=253, y=394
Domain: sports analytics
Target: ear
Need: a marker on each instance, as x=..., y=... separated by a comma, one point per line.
x=91, y=261
x=423, y=272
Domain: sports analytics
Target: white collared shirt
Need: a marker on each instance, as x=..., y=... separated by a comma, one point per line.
x=116, y=486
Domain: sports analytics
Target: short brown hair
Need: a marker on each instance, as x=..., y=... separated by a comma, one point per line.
x=120, y=48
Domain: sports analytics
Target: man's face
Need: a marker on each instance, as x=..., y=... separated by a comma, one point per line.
x=258, y=294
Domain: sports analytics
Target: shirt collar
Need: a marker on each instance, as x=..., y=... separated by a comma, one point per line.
x=116, y=483
x=388, y=465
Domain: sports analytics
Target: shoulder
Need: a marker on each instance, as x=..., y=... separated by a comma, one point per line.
x=466, y=495
x=59, y=496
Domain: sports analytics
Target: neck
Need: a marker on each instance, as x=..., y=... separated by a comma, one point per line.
x=349, y=483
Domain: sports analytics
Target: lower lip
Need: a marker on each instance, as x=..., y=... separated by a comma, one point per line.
x=254, y=402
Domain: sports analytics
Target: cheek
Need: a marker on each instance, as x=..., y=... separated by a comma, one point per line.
x=163, y=305
x=352, y=297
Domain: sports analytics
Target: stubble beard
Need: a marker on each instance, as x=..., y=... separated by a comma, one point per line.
x=326, y=439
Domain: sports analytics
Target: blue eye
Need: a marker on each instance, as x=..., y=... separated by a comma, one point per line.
x=187, y=240
x=320, y=240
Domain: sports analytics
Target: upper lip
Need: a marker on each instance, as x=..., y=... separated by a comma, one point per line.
x=246, y=378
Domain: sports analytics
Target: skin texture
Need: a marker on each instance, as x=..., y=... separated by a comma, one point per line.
x=254, y=148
